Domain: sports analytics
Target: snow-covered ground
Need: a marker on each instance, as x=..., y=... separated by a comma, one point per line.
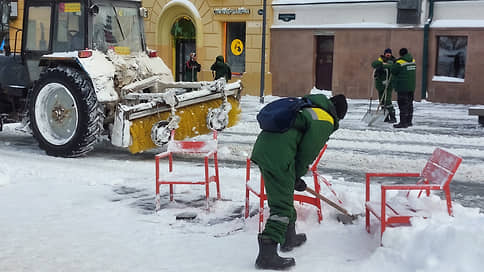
x=96, y=213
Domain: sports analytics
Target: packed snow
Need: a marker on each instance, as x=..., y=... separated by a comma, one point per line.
x=96, y=213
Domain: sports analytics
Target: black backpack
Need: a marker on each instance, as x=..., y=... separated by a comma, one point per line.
x=279, y=115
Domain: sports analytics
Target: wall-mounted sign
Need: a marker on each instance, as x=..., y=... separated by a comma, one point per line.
x=287, y=17
x=13, y=9
x=237, y=47
x=231, y=11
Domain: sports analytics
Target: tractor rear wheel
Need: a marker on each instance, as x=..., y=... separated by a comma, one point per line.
x=64, y=113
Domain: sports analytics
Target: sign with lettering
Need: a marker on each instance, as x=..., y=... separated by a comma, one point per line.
x=70, y=7
x=287, y=17
x=231, y=11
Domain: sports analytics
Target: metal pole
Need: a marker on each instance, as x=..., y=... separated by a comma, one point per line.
x=425, y=55
x=263, y=53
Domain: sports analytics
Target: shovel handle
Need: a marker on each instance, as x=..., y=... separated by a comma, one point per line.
x=331, y=203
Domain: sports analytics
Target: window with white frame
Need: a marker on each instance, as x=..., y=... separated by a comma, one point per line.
x=451, y=56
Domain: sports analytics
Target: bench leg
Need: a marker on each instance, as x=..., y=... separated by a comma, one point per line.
x=367, y=219
x=449, y=201
x=246, y=202
x=171, y=192
x=157, y=202
x=217, y=178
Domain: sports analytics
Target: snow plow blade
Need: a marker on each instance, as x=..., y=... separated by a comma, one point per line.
x=192, y=123
x=145, y=120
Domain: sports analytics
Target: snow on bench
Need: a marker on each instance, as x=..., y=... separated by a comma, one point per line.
x=479, y=111
x=436, y=175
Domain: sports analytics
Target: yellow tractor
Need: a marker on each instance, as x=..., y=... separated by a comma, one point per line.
x=82, y=70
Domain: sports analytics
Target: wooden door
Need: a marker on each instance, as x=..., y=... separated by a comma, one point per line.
x=324, y=62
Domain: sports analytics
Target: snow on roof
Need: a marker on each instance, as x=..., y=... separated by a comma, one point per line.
x=457, y=23
x=354, y=25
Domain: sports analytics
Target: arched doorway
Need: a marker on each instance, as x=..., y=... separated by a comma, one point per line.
x=184, y=37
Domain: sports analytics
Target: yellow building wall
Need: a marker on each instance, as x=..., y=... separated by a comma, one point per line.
x=17, y=24
x=162, y=14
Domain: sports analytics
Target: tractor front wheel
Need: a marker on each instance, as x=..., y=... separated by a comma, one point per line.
x=64, y=113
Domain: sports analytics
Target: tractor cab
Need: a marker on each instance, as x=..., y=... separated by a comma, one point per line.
x=66, y=26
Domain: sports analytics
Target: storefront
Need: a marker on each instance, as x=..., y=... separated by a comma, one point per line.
x=210, y=28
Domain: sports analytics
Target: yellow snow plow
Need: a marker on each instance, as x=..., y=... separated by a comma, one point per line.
x=192, y=108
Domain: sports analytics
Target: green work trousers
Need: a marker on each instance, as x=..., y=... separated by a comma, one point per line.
x=279, y=187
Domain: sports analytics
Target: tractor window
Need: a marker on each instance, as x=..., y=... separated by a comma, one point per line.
x=69, y=27
x=38, y=28
x=117, y=28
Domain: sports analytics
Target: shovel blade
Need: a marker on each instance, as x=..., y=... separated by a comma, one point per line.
x=346, y=219
x=374, y=116
x=378, y=117
x=366, y=118
x=371, y=116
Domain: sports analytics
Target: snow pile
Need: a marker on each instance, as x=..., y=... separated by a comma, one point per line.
x=441, y=244
x=96, y=213
x=4, y=176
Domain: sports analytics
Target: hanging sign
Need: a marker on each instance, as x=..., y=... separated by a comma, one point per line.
x=237, y=47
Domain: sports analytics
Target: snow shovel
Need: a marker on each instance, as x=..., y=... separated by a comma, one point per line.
x=378, y=115
x=345, y=217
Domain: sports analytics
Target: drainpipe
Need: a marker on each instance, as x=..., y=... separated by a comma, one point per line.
x=263, y=53
x=425, y=56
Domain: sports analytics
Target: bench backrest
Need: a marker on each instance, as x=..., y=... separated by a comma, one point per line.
x=441, y=167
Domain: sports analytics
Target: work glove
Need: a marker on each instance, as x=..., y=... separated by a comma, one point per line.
x=300, y=185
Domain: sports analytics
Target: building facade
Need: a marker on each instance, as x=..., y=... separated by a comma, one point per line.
x=331, y=44
x=231, y=28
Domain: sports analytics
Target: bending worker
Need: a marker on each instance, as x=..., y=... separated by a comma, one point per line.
x=283, y=158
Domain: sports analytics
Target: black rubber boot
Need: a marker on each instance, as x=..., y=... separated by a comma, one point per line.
x=400, y=125
x=403, y=121
x=268, y=257
x=391, y=117
x=292, y=239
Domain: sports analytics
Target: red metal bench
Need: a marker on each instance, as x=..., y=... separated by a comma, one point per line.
x=317, y=178
x=206, y=148
x=436, y=175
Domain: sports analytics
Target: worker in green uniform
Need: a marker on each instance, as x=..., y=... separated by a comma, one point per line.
x=404, y=77
x=221, y=69
x=383, y=83
x=283, y=159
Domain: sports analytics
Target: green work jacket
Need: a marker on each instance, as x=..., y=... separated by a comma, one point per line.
x=404, y=74
x=382, y=72
x=300, y=145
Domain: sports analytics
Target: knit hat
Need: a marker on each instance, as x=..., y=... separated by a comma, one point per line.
x=339, y=102
x=388, y=50
x=403, y=52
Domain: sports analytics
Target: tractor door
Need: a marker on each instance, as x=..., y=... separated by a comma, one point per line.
x=37, y=34
x=69, y=27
